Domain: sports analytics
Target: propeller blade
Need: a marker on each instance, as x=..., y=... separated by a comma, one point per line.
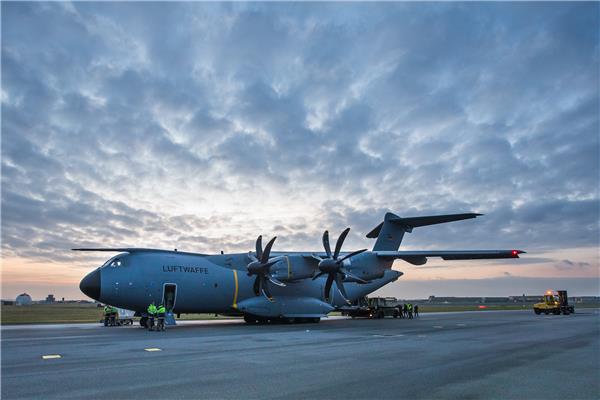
x=267, y=252
x=328, y=286
x=359, y=280
x=265, y=288
x=276, y=281
x=316, y=257
x=257, y=285
x=347, y=256
x=339, y=243
x=259, y=251
x=326, y=243
x=273, y=261
x=339, y=282
x=252, y=257
x=318, y=275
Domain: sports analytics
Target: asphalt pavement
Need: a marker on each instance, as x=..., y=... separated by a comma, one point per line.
x=492, y=354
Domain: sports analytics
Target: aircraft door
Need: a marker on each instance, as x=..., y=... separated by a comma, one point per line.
x=169, y=295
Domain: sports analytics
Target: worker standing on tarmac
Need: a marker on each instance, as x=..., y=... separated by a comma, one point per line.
x=416, y=310
x=405, y=310
x=410, y=310
x=113, y=316
x=151, y=314
x=160, y=312
x=107, y=312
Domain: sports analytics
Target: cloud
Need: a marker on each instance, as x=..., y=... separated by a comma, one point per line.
x=568, y=265
x=200, y=126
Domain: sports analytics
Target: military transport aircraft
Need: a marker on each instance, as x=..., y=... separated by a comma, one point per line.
x=265, y=285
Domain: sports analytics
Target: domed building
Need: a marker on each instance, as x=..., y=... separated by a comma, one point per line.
x=23, y=300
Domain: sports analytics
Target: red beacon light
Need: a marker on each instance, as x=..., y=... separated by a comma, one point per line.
x=515, y=253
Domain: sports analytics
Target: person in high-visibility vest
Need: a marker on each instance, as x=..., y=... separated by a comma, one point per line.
x=107, y=312
x=113, y=315
x=160, y=312
x=410, y=310
x=151, y=314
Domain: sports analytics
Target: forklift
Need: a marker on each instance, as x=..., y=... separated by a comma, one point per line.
x=554, y=304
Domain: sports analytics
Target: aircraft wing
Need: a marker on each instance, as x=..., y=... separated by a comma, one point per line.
x=137, y=250
x=420, y=257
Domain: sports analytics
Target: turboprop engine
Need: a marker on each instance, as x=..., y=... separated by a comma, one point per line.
x=364, y=266
x=292, y=268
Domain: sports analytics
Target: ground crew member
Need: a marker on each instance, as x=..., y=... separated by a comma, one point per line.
x=151, y=314
x=401, y=310
x=406, y=310
x=416, y=310
x=410, y=310
x=113, y=315
x=107, y=312
x=160, y=312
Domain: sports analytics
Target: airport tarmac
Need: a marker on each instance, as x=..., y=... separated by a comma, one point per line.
x=492, y=354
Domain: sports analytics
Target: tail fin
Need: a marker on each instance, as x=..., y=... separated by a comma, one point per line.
x=390, y=232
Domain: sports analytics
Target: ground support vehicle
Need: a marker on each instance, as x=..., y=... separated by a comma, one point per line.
x=554, y=304
x=374, y=307
x=125, y=317
x=120, y=318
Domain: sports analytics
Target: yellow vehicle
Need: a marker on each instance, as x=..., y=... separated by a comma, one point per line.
x=554, y=304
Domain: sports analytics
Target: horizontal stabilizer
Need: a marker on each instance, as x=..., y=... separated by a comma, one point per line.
x=414, y=222
x=420, y=257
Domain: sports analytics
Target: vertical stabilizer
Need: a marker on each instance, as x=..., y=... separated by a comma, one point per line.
x=389, y=234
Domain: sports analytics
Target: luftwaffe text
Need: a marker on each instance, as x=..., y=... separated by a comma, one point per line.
x=180, y=268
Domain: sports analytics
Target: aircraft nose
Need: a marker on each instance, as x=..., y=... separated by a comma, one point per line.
x=90, y=284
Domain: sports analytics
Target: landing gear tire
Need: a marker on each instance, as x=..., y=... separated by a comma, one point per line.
x=395, y=314
x=143, y=322
x=546, y=312
x=537, y=312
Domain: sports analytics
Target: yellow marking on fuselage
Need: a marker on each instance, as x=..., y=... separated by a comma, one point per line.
x=235, y=294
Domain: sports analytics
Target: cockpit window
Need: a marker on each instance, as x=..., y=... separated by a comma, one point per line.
x=115, y=263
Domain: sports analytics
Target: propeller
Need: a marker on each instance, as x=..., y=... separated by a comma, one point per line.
x=261, y=267
x=334, y=266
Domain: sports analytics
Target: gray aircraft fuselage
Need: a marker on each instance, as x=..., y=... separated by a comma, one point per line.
x=220, y=283
x=293, y=286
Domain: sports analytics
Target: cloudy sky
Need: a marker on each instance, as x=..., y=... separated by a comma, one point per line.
x=200, y=126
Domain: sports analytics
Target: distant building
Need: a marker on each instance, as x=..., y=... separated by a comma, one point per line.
x=23, y=300
x=50, y=298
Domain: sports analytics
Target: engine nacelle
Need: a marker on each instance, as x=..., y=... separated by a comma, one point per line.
x=365, y=266
x=292, y=268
